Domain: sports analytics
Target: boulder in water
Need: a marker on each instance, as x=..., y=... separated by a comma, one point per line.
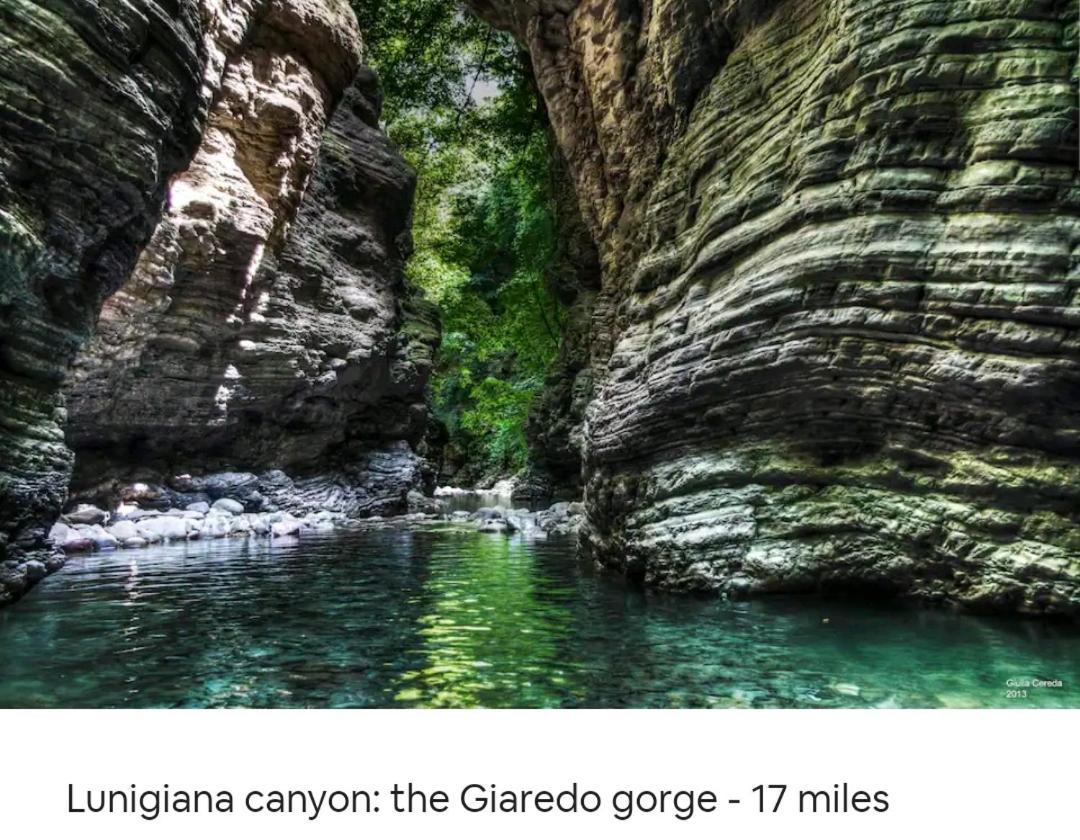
x=124, y=530
x=165, y=527
x=285, y=528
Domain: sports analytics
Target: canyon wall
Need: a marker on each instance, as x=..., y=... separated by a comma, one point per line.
x=98, y=110
x=258, y=331
x=835, y=345
x=210, y=177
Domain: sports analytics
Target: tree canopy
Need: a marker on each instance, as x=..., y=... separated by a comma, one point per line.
x=461, y=104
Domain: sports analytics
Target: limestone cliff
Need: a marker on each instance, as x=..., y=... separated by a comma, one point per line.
x=99, y=108
x=228, y=351
x=835, y=344
x=213, y=173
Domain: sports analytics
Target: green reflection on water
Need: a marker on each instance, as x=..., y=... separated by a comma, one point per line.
x=438, y=615
x=493, y=627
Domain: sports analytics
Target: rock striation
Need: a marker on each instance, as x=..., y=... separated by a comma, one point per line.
x=99, y=109
x=273, y=355
x=267, y=325
x=835, y=342
x=245, y=254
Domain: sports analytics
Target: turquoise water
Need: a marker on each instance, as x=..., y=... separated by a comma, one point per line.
x=438, y=615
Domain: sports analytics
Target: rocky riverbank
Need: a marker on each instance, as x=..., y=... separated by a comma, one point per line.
x=90, y=528
x=561, y=519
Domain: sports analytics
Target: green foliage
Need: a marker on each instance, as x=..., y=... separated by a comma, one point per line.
x=462, y=107
x=427, y=52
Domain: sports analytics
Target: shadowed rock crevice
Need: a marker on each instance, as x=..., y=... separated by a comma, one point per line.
x=555, y=425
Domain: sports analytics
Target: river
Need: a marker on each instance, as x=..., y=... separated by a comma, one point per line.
x=434, y=614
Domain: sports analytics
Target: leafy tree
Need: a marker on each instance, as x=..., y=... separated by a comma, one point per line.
x=462, y=106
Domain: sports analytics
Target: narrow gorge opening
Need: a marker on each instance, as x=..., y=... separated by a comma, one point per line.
x=461, y=104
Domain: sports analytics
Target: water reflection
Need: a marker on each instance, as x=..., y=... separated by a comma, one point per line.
x=492, y=627
x=438, y=615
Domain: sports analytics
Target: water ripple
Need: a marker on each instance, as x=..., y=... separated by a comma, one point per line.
x=442, y=616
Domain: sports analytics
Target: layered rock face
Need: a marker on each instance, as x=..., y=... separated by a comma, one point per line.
x=99, y=108
x=266, y=324
x=214, y=173
x=835, y=345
